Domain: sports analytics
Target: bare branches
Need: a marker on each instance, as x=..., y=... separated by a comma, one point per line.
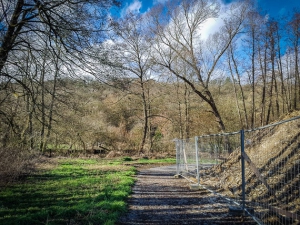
x=179, y=44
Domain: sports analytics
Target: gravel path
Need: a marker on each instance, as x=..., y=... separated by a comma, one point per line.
x=159, y=198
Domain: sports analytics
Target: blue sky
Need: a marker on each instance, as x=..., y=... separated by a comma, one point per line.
x=274, y=8
x=277, y=8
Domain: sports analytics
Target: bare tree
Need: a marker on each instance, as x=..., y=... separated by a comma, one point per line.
x=134, y=47
x=179, y=43
x=294, y=37
x=71, y=24
x=35, y=37
x=278, y=35
x=234, y=68
x=254, y=22
x=272, y=27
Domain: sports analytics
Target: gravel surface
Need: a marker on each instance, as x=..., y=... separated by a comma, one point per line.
x=159, y=198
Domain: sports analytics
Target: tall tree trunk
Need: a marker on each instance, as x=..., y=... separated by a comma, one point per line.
x=253, y=80
x=285, y=101
x=272, y=32
x=289, y=85
x=187, y=110
x=52, y=101
x=271, y=100
x=246, y=125
x=145, y=115
x=263, y=68
x=273, y=60
x=235, y=92
x=297, y=76
x=43, y=106
x=179, y=109
x=151, y=129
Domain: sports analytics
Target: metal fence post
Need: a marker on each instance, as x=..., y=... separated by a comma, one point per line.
x=243, y=167
x=177, y=141
x=197, y=159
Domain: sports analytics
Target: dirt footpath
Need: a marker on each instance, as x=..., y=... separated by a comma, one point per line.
x=159, y=198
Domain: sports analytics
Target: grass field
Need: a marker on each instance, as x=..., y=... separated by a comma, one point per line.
x=71, y=191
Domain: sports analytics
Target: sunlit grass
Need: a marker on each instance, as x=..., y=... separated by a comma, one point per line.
x=72, y=191
x=75, y=191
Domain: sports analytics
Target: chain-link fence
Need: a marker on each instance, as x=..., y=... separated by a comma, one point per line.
x=258, y=170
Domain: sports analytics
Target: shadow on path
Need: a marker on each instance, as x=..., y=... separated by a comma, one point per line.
x=159, y=198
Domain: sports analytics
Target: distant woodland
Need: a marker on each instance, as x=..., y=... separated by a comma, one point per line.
x=74, y=78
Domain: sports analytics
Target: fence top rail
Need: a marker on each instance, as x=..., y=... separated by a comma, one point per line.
x=255, y=129
x=274, y=124
x=220, y=134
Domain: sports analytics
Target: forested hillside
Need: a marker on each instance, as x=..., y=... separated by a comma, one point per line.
x=76, y=81
x=89, y=116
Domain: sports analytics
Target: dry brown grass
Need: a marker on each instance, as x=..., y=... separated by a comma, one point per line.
x=14, y=162
x=43, y=163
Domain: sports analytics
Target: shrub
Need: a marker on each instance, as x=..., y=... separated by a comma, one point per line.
x=14, y=162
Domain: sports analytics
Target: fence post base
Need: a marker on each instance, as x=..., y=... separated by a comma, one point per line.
x=235, y=210
x=194, y=187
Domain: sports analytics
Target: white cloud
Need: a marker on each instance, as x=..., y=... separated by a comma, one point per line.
x=134, y=7
x=210, y=26
x=213, y=25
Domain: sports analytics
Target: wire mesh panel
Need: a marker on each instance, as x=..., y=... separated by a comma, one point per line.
x=196, y=155
x=258, y=170
x=224, y=173
x=272, y=172
x=214, y=149
x=186, y=157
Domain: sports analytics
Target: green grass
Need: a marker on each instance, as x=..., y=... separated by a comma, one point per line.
x=157, y=161
x=75, y=191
